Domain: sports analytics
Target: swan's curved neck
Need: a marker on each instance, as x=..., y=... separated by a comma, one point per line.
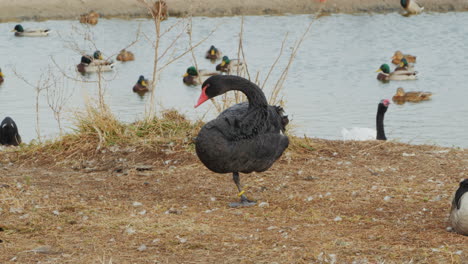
x=380, y=122
x=253, y=93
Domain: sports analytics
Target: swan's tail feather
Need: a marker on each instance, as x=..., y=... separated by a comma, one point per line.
x=284, y=118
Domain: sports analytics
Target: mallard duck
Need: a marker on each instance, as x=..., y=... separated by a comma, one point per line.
x=21, y=32
x=396, y=59
x=213, y=54
x=141, y=86
x=411, y=7
x=404, y=68
x=459, y=211
x=125, y=56
x=1, y=76
x=90, y=18
x=98, y=59
x=385, y=75
x=160, y=10
x=88, y=64
x=228, y=65
x=194, y=77
x=402, y=96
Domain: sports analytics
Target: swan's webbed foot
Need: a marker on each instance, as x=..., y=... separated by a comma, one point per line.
x=244, y=202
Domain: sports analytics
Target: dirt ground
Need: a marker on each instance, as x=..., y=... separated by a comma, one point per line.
x=334, y=202
x=20, y=10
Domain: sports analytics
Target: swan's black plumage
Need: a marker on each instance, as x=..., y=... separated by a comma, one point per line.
x=9, y=132
x=381, y=109
x=244, y=138
x=460, y=192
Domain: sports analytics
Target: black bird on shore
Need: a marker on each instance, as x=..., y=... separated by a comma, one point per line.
x=245, y=137
x=459, y=212
x=9, y=132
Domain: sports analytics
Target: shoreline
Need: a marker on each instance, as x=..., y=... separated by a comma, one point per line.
x=19, y=10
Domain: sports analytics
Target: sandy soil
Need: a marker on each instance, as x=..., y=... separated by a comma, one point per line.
x=368, y=202
x=70, y=9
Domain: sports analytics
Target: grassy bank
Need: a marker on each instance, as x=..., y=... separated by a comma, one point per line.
x=116, y=193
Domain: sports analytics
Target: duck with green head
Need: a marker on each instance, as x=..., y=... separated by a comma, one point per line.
x=21, y=32
x=404, y=67
x=141, y=86
x=94, y=63
x=227, y=65
x=385, y=75
x=213, y=54
x=195, y=77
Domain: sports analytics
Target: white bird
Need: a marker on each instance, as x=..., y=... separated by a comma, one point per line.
x=411, y=6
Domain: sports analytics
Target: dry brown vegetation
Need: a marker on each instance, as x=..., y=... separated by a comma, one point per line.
x=114, y=193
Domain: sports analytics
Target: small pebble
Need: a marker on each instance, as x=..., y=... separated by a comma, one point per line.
x=337, y=219
x=130, y=231
x=181, y=239
x=387, y=198
x=137, y=204
x=56, y=212
x=263, y=204
x=142, y=247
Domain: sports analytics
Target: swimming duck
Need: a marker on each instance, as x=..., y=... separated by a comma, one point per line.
x=9, y=132
x=459, y=212
x=90, y=18
x=141, y=86
x=125, y=56
x=411, y=7
x=404, y=68
x=246, y=137
x=99, y=60
x=399, y=55
x=160, y=10
x=228, y=65
x=21, y=32
x=88, y=64
x=213, y=54
x=385, y=75
x=1, y=76
x=194, y=77
x=401, y=96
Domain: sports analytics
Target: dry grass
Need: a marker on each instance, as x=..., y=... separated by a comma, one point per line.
x=79, y=201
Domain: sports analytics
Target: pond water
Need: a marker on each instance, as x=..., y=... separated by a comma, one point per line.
x=331, y=84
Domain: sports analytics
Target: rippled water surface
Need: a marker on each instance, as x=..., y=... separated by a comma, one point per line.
x=331, y=84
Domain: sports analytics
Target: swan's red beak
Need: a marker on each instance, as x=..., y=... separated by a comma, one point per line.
x=203, y=97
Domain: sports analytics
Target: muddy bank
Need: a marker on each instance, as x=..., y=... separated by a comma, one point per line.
x=17, y=10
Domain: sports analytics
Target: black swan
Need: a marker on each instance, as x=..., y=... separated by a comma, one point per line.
x=362, y=133
x=9, y=132
x=381, y=109
x=245, y=137
x=459, y=212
